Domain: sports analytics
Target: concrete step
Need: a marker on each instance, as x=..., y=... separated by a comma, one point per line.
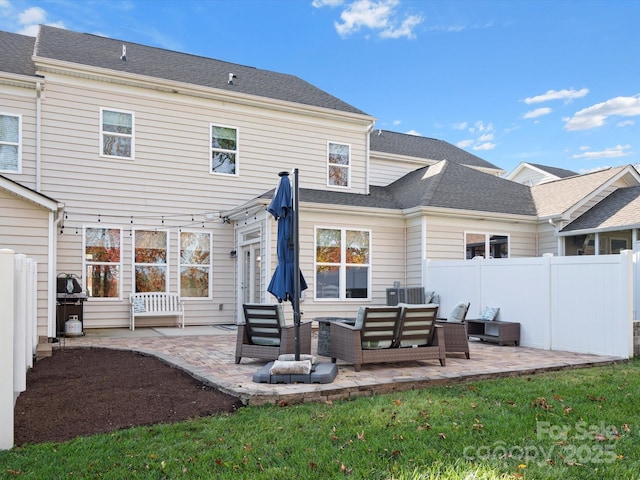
x=44, y=348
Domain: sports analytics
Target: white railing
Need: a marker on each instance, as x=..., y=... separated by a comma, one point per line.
x=19, y=338
x=579, y=303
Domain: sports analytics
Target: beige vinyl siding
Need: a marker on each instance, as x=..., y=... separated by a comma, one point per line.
x=22, y=101
x=414, y=256
x=384, y=171
x=528, y=176
x=547, y=240
x=24, y=229
x=168, y=183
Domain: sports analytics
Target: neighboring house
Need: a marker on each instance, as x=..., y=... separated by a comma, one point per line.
x=151, y=170
x=534, y=174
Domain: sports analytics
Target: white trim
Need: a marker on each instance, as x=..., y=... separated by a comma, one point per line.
x=349, y=166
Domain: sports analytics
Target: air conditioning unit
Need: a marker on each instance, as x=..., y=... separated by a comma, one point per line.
x=405, y=295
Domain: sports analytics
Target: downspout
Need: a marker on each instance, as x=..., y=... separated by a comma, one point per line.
x=559, y=245
x=39, y=94
x=368, y=159
x=55, y=219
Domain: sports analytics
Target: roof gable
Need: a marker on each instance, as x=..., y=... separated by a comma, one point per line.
x=29, y=195
x=385, y=141
x=559, y=196
x=97, y=51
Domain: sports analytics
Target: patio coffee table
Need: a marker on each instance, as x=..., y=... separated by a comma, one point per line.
x=324, y=332
x=494, y=331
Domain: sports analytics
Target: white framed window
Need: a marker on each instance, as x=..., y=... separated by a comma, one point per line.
x=224, y=150
x=150, y=260
x=116, y=133
x=195, y=264
x=486, y=245
x=342, y=263
x=338, y=164
x=102, y=247
x=10, y=143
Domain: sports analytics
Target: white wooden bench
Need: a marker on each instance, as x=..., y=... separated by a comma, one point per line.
x=156, y=304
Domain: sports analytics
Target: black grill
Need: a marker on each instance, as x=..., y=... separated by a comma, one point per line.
x=70, y=301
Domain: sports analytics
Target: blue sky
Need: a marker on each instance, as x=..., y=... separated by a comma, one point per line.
x=547, y=82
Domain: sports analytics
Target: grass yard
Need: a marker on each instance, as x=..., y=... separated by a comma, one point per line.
x=574, y=424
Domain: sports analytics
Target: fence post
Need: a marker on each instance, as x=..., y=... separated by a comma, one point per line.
x=6, y=348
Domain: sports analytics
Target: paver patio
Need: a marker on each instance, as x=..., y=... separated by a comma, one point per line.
x=207, y=353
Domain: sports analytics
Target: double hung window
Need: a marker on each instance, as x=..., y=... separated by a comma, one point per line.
x=486, y=245
x=10, y=145
x=342, y=263
x=339, y=164
x=195, y=264
x=116, y=133
x=103, y=261
x=224, y=150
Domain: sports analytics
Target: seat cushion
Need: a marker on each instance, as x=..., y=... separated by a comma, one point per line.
x=459, y=312
x=372, y=344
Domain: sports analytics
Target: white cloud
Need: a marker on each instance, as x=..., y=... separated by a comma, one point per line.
x=414, y=132
x=538, y=112
x=564, y=94
x=377, y=15
x=396, y=123
x=596, y=115
x=487, y=137
x=613, y=152
x=326, y=3
x=33, y=15
x=464, y=143
x=625, y=123
x=460, y=126
x=484, y=146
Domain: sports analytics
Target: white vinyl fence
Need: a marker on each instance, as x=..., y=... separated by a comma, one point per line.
x=18, y=334
x=578, y=304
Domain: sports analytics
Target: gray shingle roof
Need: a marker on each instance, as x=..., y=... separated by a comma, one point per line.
x=15, y=54
x=386, y=141
x=97, y=51
x=619, y=210
x=445, y=184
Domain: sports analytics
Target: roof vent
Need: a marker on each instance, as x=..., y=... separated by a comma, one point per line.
x=123, y=57
x=231, y=77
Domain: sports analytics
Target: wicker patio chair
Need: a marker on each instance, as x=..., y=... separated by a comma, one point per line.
x=265, y=335
x=387, y=335
x=456, y=339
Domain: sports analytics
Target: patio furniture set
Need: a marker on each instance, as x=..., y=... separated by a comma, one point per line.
x=378, y=334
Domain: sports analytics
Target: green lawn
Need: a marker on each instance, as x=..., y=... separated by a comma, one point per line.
x=574, y=424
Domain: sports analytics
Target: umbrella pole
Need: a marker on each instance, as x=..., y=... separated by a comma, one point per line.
x=295, y=301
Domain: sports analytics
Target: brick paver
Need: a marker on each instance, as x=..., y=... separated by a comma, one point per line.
x=210, y=358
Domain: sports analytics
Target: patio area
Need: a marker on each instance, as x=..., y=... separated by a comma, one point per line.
x=207, y=353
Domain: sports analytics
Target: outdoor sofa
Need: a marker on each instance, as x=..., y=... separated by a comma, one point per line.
x=388, y=335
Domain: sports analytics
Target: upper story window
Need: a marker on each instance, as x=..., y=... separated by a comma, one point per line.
x=224, y=150
x=10, y=145
x=116, y=133
x=486, y=245
x=339, y=164
x=103, y=261
x=342, y=263
x=195, y=264
x=150, y=260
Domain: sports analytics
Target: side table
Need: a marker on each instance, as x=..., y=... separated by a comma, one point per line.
x=324, y=332
x=494, y=331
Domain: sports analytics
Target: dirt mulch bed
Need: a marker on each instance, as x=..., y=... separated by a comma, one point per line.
x=80, y=392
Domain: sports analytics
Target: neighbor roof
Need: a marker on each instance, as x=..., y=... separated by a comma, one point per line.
x=618, y=211
x=555, y=171
x=15, y=54
x=396, y=143
x=558, y=196
x=97, y=51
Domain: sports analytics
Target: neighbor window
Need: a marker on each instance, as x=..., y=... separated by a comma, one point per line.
x=150, y=261
x=195, y=264
x=339, y=164
x=10, y=148
x=342, y=263
x=486, y=245
x=224, y=150
x=116, y=133
x=103, y=261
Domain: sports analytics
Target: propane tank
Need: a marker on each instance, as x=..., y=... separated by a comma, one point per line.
x=73, y=326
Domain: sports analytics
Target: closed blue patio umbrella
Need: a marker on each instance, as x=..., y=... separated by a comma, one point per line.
x=287, y=282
